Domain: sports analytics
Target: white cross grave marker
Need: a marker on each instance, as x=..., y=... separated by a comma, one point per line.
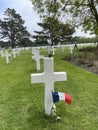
x=14, y=53
x=37, y=58
x=2, y=53
x=71, y=49
x=49, y=49
x=33, y=51
x=48, y=77
x=53, y=50
x=7, y=57
x=18, y=51
x=63, y=48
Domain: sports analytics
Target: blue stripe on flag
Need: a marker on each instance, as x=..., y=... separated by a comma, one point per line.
x=55, y=97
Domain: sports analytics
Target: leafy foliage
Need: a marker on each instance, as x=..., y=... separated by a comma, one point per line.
x=56, y=31
x=83, y=12
x=12, y=27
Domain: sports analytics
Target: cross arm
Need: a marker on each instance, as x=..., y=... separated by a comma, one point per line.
x=37, y=78
x=60, y=76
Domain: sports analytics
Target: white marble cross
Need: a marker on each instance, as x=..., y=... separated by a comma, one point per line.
x=14, y=53
x=49, y=49
x=63, y=48
x=33, y=50
x=53, y=50
x=7, y=57
x=37, y=58
x=48, y=77
x=2, y=53
x=71, y=48
x=18, y=51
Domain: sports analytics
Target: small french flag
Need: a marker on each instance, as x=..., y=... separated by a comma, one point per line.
x=57, y=96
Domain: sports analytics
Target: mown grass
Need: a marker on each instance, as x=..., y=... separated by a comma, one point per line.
x=22, y=103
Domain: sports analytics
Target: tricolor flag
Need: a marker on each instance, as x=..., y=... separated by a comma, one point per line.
x=57, y=96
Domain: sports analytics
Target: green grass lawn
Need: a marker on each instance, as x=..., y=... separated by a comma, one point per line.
x=22, y=103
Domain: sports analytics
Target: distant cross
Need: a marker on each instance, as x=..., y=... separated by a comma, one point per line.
x=33, y=51
x=53, y=50
x=37, y=58
x=71, y=49
x=26, y=48
x=14, y=53
x=18, y=51
x=49, y=49
x=48, y=77
x=7, y=57
x=2, y=53
x=63, y=48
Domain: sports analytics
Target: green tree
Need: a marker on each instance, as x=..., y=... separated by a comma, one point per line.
x=55, y=31
x=83, y=12
x=80, y=12
x=46, y=7
x=12, y=27
x=40, y=38
x=25, y=42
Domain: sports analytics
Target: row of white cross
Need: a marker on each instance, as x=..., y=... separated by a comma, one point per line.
x=37, y=56
x=48, y=77
x=7, y=55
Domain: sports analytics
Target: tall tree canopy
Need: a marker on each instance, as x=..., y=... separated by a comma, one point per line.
x=12, y=27
x=84, y=12
x=56, y=31
x=80, y=12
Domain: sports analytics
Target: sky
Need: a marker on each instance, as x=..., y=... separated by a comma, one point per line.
x=25, y=9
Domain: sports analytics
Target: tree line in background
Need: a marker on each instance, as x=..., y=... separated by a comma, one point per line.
x=60, y=18
x=43, y=42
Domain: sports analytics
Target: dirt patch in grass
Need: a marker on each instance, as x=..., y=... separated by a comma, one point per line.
x=91, y=66
x=87, y=58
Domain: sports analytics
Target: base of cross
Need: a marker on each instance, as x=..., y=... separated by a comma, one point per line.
x=53, y=110
x=54, y=113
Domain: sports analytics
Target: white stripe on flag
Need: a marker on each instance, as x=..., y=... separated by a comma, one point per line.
x=61, y=96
